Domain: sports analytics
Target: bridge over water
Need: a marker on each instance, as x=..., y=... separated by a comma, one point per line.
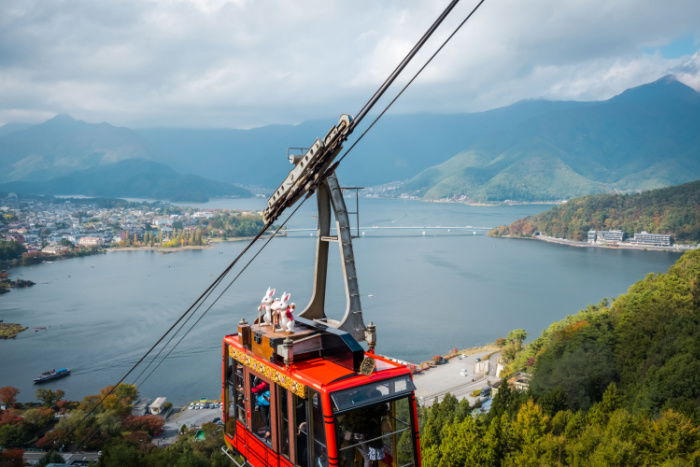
x=423, y=230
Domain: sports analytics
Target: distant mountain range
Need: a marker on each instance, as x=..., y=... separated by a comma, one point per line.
x=131, y=178
x=646, y=137
x=68, y=156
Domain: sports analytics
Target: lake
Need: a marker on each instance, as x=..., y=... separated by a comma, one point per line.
x=426, y=293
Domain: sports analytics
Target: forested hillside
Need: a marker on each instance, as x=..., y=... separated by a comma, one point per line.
x=616, y=384
x=674, y=210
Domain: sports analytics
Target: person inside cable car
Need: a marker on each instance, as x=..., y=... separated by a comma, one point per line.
x=302, y=446
x=362, y=429
x=263, y=401
x=260, y=392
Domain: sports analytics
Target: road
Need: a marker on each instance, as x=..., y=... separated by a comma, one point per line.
x=189, y=417
x=436, y=382
x=82, y=457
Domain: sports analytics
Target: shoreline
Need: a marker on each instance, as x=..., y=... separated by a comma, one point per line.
x=619, y=246
x=495, y=203
x=162, y=249
x=472, y=203
x=159, y=249
x=428, y=364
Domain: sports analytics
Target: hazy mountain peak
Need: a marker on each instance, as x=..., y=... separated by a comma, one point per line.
x=62, y=119
x=667, y=88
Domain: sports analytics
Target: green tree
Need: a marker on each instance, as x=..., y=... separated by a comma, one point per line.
x=48, y=397
x=14, y=436
x=118, y=453
x=10, y=250
x=41, y=418
x=51, y=457
x=517, y=335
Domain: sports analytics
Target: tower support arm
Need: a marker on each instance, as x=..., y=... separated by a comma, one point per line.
x=330, y=196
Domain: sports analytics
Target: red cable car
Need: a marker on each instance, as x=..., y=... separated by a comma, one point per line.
x=307, y=393
x=316, y=411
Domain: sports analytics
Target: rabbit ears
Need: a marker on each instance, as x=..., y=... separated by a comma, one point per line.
x=285, y=297
x=268, y=295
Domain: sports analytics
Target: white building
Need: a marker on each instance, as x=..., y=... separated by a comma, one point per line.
x=54, y=249
x=90, y=241
x=156, y=406
x=609, y=236
x=591, y=236
x=481, y=367
x=645, y=238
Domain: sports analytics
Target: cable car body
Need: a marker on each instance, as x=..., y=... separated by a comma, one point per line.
x=312, y=396
x=322, y=411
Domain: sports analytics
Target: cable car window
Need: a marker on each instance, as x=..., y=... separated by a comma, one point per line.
x=377, y=434
x=238, y=391
x=235, y=402
x=372, y=393
x=260, y=403
x=302, y=431
x=283, y=418
x=320, y=454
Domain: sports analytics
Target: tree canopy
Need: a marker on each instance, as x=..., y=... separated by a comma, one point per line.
x=616, y=384
x=674, y=210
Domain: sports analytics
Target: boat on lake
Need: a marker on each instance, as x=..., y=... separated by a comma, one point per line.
x=51, y=375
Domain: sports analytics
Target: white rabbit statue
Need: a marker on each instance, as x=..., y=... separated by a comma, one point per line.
x=287, y=320
x=281, y=307
x=265, y=307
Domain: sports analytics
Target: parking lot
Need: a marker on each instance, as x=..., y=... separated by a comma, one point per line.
x=456, y=377
x=193, y=415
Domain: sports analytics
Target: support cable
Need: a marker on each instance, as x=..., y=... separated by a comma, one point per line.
x=201, y=297
x=361, y=114
x=367, y=106
x=165, y=357
x=245, y=266
x=399, y=68
x=413, y=78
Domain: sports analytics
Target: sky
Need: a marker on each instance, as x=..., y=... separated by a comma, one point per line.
x=248, y=63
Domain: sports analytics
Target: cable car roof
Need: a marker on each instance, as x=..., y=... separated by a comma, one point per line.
x=321, y=373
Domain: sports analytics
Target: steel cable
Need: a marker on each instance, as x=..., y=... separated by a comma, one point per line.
x=373, y=99
x=413, y=78
x=194, y=307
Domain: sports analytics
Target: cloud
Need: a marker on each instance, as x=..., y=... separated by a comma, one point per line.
x=246, y=63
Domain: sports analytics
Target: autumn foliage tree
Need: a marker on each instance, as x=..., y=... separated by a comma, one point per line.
x=8, y=395
x=48, y=397
x=12, y=458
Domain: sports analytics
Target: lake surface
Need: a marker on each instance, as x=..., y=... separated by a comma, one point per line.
x=426, y=294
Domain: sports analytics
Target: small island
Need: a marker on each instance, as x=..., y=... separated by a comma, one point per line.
x=10, y=330
x=6, y=283
x=662, y=219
